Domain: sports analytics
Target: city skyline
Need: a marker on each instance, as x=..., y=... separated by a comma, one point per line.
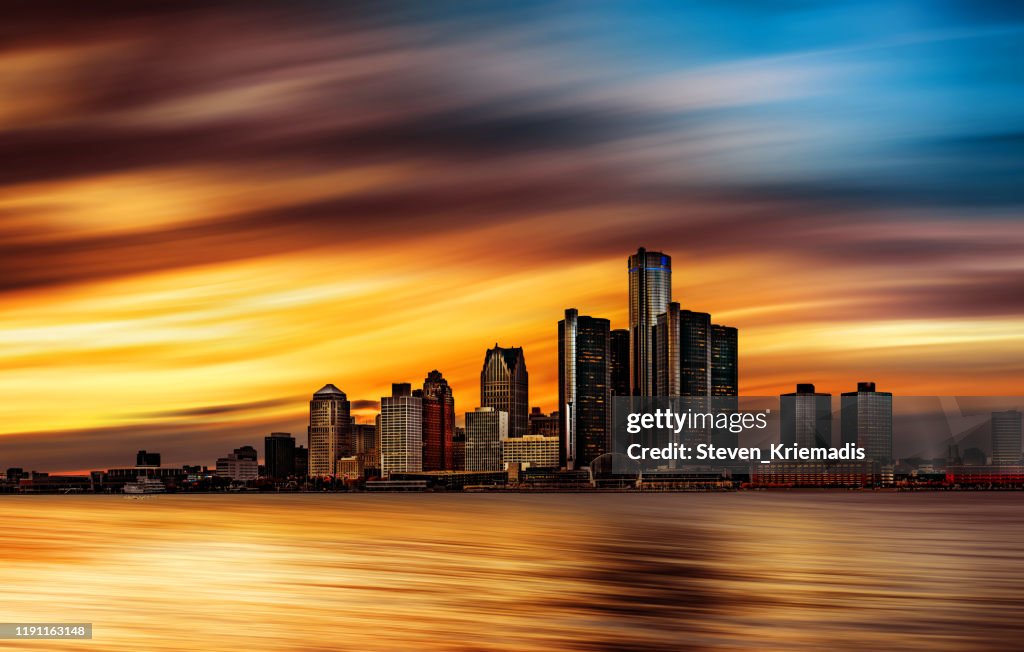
x=364, y=411
x=211, y=211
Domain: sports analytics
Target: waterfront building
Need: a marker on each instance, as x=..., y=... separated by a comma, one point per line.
x=866, y=421
x=330, y=429
x=504, y=386
x=584, y=388
x=650, y=292
x=486, y=429
x=401, y=431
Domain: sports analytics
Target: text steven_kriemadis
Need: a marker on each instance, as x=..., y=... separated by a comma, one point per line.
x=734, y=422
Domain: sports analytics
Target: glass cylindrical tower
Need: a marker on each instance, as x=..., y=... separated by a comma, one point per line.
x=650, y=292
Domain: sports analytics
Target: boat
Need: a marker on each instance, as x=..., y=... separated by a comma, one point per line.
x=145, y=485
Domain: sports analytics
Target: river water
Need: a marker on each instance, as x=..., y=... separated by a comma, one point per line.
x=766, y=571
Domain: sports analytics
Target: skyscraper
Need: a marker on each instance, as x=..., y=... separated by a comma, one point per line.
x=806, y=417
x=301, y=461
x=279, y=455
x=438, y=423
x=620, y=361
x=504, y=386
x=866, y=421
x=401, y=431
x=682, y=353
x=1006, y=438
x=330, y=429
x=725, y=380
x=584, y=387
x=650, y=292
x=486, y=429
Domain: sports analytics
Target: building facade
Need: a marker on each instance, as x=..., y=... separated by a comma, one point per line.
x=806, y=417
x=584, y=387
x=486, y=429
x=240, y=465
x=145, y=459
x=724, y=361
x=438, y=423
x=682, y=353
x=650, y=292
x=459, y=449
x=1006, y=438
x=401, y=431
x=504, y=386
x=543, y=424
x=532, y=451
x=279, y=455
x=620, y=361
x=301, y=461
x=866, y=421
x=330, y=429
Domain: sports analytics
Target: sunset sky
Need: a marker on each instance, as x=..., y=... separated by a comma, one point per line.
x=210, y=210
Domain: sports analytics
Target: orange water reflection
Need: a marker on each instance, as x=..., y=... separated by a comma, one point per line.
x=512, y=572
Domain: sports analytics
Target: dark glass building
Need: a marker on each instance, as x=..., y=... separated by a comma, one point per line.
x=504, y=386
x=682, y=363
x=584, y=388
x=146, y=459
x=301, y=461
x=650, y=292
x=806, y=417
x=279, y=455
x=866, y=421
x=620, y=361
x=725, y=377
x=438, y=423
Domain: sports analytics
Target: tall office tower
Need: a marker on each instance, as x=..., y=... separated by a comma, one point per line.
x=725, y=377
x=1006, y=438
x=682, y=353
x=486, y=429
x=650, y=292
x=504, y=386
x=301, y=461
x=806, y=417
x=330, y=429
x=279, y=455
x=866, y=421
x=438, y=423
x=620, y=361
x=401, y=431
x=584, y=387
x=543, y=424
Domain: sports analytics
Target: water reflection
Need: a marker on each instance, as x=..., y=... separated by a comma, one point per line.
x=513, y=572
